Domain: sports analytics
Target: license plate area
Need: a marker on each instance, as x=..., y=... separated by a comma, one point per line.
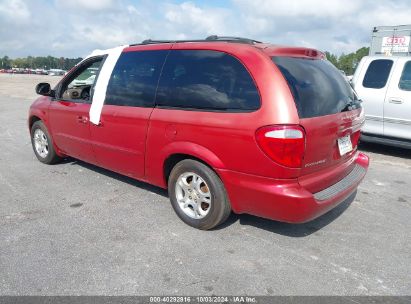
x=344, y=145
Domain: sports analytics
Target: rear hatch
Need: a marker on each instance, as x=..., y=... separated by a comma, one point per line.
x=330, y=114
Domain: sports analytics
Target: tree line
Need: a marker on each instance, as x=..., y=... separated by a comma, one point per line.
x=344, y=62
x=348, y=62
x=46, y=63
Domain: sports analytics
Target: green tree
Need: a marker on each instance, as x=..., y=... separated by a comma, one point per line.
x=348, y=62
x=19, y=63
x=364, y=51
x=331, y=58
x=5, y=62
x=31, y=62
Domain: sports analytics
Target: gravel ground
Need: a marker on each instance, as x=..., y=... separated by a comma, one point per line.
x=75, y=229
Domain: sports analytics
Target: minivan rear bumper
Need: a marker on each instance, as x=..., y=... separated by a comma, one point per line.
x=287, y=200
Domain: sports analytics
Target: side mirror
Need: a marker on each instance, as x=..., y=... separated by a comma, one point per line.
x=44, y=88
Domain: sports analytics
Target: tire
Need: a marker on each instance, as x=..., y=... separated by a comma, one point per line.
x=188, y=183
x=42, y=144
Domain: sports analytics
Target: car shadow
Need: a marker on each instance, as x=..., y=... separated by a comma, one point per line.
x=384, y=149
x=291, y=230
x=286, y=229
x=117, y=176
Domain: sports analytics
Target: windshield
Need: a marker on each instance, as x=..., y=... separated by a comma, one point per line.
x=318, y=87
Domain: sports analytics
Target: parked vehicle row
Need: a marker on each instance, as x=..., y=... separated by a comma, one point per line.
x=51, y=72
x=225, y=124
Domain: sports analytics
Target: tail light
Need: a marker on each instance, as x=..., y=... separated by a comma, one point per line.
x=355, y=138
x=284, y=144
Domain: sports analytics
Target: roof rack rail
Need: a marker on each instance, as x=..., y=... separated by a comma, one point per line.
x=232, y=39
x=150, y=41
x=212, y=38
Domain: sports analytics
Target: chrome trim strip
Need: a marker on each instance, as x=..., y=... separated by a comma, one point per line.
x=388, y=120
x=398, y=121
x=374, y=118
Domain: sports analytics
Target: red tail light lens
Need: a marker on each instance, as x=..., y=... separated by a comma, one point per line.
x=355, y=138
x=283, y=144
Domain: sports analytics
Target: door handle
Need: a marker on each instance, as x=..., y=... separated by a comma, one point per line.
x=395, y=100
x=82, y=119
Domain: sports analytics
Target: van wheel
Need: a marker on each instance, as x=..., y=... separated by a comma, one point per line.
x=43, y=144
x=198, y=195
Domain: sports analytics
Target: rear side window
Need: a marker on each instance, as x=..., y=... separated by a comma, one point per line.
x=317, y=86
x=377, y=74
x=405, y=81
x=208, y=80
x=134, y=79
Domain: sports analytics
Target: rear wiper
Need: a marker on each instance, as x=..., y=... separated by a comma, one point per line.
x=351, y=105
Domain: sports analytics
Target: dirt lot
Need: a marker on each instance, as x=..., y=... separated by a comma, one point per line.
x=73, y=229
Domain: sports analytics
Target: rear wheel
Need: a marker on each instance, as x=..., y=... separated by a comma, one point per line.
x=43, y=144
x=198, y=195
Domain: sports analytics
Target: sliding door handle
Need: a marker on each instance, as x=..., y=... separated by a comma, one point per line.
x=82, y=119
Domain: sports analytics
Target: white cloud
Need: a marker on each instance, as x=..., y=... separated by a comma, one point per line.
x=339, y=26
x=76, y=27
x=92, y=5
x=15, y=10
x=387, y=13
x=188, y=19
x=290, y=8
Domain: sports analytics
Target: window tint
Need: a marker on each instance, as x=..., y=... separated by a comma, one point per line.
x=405, y=81
x=377, y=74
x=317, y=86
x=206, y=80
x=78, y=87
x=87, y=76
x=134, y=79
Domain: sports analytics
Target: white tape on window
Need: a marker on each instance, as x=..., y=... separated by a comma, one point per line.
x=100, y=88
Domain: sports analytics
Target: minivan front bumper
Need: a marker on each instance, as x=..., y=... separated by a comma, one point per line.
x=287, y=200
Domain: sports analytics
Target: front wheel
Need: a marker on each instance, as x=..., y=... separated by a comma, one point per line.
x=197, y=195
x=43, y=144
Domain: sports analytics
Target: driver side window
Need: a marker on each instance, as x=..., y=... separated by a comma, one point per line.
x=78, y=88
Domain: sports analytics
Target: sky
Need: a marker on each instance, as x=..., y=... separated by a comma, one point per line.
x=74, y=28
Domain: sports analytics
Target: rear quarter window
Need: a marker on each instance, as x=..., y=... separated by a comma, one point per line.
x=377, y=74
x=206, y=80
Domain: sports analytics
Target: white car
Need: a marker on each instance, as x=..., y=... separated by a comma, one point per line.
x=87, y=81
x=384, y=85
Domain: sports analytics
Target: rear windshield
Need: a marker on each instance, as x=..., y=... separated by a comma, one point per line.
x=318, y=87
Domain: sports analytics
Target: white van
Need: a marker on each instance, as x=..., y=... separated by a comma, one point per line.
x=384, y=85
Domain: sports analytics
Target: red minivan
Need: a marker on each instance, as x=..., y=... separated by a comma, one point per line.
x=225, y=124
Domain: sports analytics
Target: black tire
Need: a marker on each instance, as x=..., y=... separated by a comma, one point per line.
x=51, y=157
x=220, y=207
